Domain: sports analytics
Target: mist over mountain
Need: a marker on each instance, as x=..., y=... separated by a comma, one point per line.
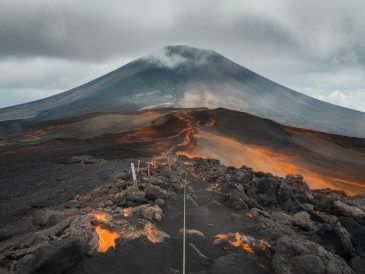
x=182, y=76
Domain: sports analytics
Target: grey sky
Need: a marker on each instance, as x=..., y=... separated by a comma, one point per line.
x=315, y=47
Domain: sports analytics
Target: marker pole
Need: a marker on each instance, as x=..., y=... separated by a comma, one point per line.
x=134, y=176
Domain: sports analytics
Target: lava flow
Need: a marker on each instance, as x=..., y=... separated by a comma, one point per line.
x=233, y=152
x=101, y=216
x=236, y=240
x=126, y=212
x=152, y=234
x=149, y=231
x=106, y=238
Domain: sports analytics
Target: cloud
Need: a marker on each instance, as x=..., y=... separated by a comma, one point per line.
x=25, y=80
x=162, y=57
x=350, y=98
x=55, y=45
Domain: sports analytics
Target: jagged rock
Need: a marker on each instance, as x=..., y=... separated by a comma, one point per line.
x=323, y=217
x=282, y=218
x=357, y=232
x=270, y=228
x=193, y=233
x=235, y=200
x=349, y=211
x=54, y=258
x=155, y=192
x=295, y=255
x=358, y=201
x=302, y=219
x=136, y=196
x=293, y=193
x=336, y=239
x=268, y=186
x=152, y=213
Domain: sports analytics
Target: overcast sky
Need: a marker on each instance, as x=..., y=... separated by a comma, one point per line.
x=314, y=47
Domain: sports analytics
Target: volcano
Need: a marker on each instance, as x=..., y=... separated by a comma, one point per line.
x=187, y=77
x=247, y=175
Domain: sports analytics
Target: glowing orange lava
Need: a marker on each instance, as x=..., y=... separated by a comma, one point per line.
x=190, y=154
x=279, y=162
x=152, y=234
x=126, y=212
x=149, y=231
x=101, y=216
x=106, y=238
x=249, y=214
x=236, y=240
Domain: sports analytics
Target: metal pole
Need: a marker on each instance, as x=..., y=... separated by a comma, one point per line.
x=134, y=176
x=184, y=225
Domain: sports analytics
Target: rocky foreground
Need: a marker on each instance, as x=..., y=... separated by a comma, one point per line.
x=238, y=221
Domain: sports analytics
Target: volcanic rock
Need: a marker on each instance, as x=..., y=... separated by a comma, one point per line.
x=302, y=219
x=136, y=196
x=155, y=192
x=357, y=232
x=282, y=218
x=295, y=255
x=336, y=239
x=152, y=213
x=55, y=258
x=236, y=264
x=349, y=211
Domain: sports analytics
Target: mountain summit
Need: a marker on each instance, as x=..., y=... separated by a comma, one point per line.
x=182, y=76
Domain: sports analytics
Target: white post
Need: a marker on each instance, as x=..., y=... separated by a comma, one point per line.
x=134, y=176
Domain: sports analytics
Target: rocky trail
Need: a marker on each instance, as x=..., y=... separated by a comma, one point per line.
x=237, y=221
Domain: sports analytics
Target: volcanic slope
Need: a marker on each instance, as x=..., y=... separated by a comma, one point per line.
x=182, y=76
x=235, y=138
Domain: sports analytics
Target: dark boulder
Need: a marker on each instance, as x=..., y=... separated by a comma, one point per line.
x=154, y=192
x=296, y=255
x=55, y=258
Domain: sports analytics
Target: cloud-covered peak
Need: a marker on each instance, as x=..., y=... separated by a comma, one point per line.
x=174, y=56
